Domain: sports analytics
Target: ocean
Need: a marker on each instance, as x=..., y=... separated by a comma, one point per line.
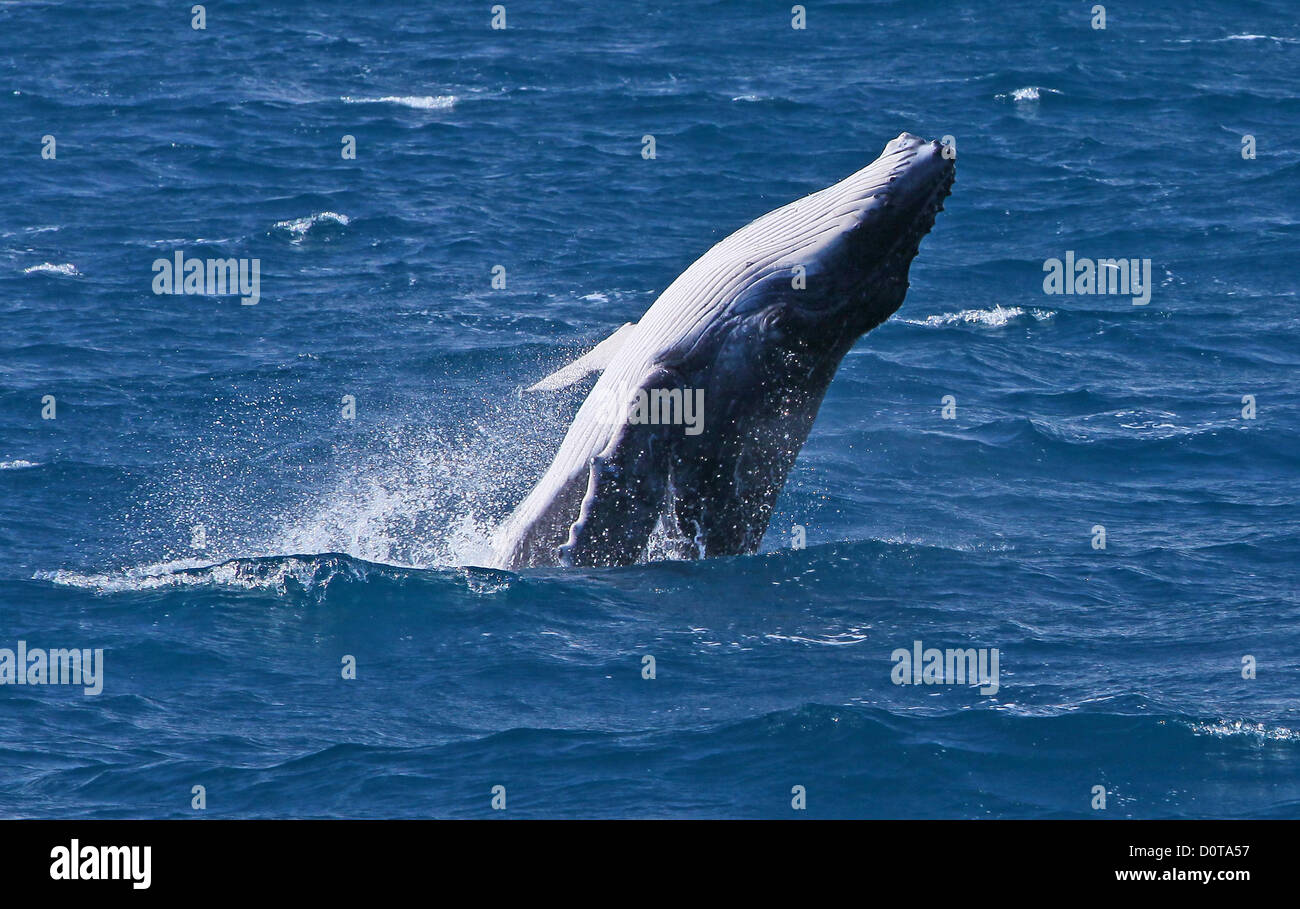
x=270, y=518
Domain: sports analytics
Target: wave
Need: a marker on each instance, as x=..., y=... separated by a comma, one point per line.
x=17, y=464
x=1029, y=93
x=834, y=639
x=996, y=317
x=1122, y=428
x=417, y=102
x=1279, y=40
x=1260, y=38
x=721, y=767
x=67, y=270
x=311, y=576
x=300, y=227
x=1259, y=731
x=277, y=575
x=307, y=577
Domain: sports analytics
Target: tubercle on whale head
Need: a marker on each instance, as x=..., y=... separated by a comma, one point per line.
x=886, y=240
x=884, y=210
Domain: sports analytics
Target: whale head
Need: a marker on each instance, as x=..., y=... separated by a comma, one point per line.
x=872, y=223
x=837, y=261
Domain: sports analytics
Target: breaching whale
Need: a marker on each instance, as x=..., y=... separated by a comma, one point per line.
x=702, y=406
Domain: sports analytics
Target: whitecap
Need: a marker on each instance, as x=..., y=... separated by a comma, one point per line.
x=1026, y=94
x=49, y=268
x=143, y=577
x=300, y=226
x=1260, y=38
x=1240, y=727
x=418, y=102
x=17, y=464
x=276, y=575
x=996, y=317
x=829, y=639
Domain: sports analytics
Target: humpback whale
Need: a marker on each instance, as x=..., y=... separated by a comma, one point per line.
x=702, y=406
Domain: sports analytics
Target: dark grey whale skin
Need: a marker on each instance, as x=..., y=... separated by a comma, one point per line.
x=763, y=351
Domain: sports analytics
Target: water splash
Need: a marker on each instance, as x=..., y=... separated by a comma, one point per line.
x=426, y=495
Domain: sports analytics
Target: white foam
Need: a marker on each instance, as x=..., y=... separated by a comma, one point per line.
x=418, y=102
x=18, y=464
x=1027, y=94
x=248, y=575
x=300, y=226
x=1279, y=40
x=1260, y=38
x=68, y=270
x=1240, y=727
x=996, y=317
x=830, y=639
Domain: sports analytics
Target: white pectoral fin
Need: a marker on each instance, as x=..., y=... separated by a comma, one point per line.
x=594, y=360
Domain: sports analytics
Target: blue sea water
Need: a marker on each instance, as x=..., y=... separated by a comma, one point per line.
x=200, y=509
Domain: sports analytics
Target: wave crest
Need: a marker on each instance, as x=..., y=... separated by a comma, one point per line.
x=67, y=270
x=417, y=102
x=1027, y=94
x=300, y=227
x=996, y=317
